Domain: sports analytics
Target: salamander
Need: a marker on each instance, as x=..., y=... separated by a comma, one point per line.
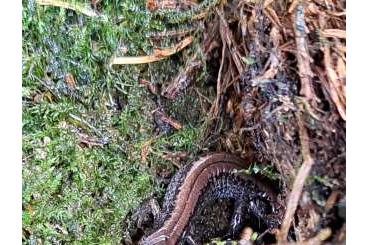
x=212, y=177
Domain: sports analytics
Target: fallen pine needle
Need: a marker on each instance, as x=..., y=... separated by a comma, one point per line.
x=78, y=7
x=334, y=33
x=158, y=54
x=335, y=84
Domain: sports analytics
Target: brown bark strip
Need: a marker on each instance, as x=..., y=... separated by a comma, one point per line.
x=271, y=14
x=305, y=72
x=293, y=5
x=336, y=87
x=299, y=181
x=228, y=36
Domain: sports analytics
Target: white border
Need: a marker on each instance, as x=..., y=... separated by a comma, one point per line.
x=357, y=123
x=10, y=122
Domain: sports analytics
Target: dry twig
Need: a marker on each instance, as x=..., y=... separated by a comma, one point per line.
x=172, y=122
x=335, y=85
x=227, y=35
x=334, y=33
x=158, y=54
x=215, y=106
x=305, y=72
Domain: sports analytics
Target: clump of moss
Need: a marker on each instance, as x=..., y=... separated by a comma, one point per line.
x=82, y=142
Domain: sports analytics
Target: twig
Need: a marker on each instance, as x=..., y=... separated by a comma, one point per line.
x=320, y=237
x=172, y=122
x=86, y=123
x=78, y=7
x=219, y=79
x=299, y=180
x=157, y=55
x=202, y=96
x=89, y=140
x=335, y=84
x=52, y=90
x=292, y=6
x=272, y=16
x=228, y=36
x=303, y=57
x=334, y=33
x=267, y=2
x=215, y=106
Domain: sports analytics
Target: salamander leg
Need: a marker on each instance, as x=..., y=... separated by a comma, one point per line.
x=140, y=221
x=188, y=240
x=149, y=210
x=238, y=219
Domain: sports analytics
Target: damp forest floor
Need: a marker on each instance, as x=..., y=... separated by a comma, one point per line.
x=90, y=143
x=264, y=80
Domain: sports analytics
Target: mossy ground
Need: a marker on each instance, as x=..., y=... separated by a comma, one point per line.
x=75, y=192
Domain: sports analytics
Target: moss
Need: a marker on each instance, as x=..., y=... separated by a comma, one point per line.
x=73, y=192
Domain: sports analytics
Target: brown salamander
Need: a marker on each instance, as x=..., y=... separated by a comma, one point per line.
x=212, y=177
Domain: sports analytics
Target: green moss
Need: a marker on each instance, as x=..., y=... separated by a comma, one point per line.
x=74, y=193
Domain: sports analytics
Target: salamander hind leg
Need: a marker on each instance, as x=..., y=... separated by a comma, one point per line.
x=238, y=219
x=188, y=240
